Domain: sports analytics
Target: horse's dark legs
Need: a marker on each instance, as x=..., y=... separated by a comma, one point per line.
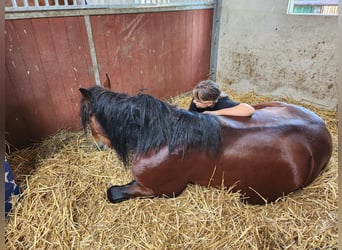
x=133, y=189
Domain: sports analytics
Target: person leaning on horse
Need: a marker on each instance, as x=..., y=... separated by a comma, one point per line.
x=209, y=99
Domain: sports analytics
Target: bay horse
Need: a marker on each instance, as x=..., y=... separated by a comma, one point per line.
x=279, y=149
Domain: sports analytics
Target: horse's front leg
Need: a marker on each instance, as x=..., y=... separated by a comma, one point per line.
x=133, y=189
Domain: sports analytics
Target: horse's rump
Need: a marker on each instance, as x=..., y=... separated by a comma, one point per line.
x=282, y=139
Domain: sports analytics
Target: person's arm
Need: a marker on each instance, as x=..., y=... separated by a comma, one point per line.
x=242, y=109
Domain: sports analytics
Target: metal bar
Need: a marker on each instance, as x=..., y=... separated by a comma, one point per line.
x=92, y=50
x=215, y=39
x=14, y=3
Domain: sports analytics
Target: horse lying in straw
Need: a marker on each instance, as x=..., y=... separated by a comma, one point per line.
x=278, y=150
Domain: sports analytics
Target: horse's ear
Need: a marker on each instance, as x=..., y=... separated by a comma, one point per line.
x=85, y=93
x=107, y=84
x=86, y=97
x=85, y=106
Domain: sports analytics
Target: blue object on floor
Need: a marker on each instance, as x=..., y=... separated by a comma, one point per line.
x=11, y=187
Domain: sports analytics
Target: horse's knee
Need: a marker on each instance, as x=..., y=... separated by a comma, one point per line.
x=117, y=194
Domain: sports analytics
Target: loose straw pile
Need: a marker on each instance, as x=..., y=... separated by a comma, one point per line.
x=64, y=206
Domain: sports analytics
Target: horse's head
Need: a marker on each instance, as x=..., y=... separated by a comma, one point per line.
x=88, y=115
x=89, y=119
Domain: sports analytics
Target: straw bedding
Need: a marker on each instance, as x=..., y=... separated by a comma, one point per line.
x=64, y=206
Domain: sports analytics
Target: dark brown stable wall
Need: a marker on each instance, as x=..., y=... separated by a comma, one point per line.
x=48, y=59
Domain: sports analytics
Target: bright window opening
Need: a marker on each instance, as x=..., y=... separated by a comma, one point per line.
x=313, y=7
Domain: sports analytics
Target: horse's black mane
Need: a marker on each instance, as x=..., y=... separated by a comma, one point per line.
x=142, y=123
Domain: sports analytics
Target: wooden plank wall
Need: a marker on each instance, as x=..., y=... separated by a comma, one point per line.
x=48, y=59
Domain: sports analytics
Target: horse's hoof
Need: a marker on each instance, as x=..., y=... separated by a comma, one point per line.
x=99, y=146
x=115, y=194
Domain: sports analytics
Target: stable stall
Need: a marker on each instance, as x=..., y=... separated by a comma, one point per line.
x=163, y=48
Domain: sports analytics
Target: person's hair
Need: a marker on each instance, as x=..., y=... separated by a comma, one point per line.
x=206, y=90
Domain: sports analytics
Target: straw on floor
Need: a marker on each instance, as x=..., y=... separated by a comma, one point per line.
x=64, y=206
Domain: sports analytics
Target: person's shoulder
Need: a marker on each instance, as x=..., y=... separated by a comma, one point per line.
x=225, y=102
x=224, y=98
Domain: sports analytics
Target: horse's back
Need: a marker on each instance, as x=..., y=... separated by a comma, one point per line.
x=273, y=114
x=285, y=121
